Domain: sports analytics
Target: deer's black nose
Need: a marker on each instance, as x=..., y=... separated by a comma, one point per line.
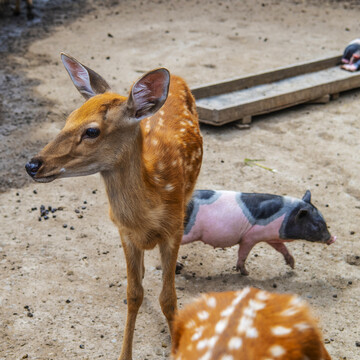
x=33, y=166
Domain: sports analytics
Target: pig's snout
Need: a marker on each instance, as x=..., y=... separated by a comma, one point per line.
x=331, y=240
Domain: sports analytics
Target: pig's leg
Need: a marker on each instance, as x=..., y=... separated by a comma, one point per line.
x=244, y=249
x=281, y=248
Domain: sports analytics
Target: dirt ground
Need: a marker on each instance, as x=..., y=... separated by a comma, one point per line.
x=63, y=280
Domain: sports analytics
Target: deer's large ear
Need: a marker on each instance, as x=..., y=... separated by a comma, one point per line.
x=87, y=81
x=149, y=93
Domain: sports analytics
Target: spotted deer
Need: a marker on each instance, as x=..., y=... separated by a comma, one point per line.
x=249, y=324
x=148, y=150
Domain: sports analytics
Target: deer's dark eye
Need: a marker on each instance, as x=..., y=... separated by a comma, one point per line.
x=92, y=133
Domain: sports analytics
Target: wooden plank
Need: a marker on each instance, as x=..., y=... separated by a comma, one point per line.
x=230, y=85
x=262, y=106
x=322, y=100
x=266, y=97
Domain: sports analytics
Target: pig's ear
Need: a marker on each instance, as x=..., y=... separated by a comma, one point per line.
x=307, y=196
x=302, y=213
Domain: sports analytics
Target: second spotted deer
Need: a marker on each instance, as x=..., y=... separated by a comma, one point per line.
x=148, y=149
x=249, y=324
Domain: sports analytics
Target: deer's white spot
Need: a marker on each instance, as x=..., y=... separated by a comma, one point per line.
x=183, y=130
x=169, y=187
x=161, y=112
x=227, y=357
x=228, y=311
x=202, y=344
x=203, y=315
x=155, y=141
x=190, y=324
x=212, y=341
x=280, y=330
x=262, y=296
x=206, y=356
x=302, y=326
x=252, y=333
x=277, y=350
x=296, y=301
x=244, y=324
x=221, y=325
x=248, y=311
x=239, y=295
x=256, y=305
x=211, y=302
x=197, y=334
x=290, y=311
x=235, y=343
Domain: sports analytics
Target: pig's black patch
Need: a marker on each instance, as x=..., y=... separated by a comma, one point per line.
x=262, y=206
x=204, y=194
x=188, y=212
x=200, y=197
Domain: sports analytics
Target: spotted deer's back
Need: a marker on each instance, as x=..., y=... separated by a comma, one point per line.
x=248, y=324
x=172, y=141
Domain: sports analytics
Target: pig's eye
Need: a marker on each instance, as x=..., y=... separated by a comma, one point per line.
x=91, y=133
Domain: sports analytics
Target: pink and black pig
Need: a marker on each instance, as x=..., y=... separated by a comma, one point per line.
x=351, y=56
x=227, y=218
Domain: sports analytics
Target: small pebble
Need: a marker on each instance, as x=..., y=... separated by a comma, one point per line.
x=65, y=226
x=35, y=191
x=335, y=296
x=82, y=346
x=72, y=228
x=29, y=314
x=357, y=343
x=68, y=301
x=274, y=286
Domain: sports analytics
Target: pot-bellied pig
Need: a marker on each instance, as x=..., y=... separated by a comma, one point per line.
x=351, y=56
x=227, y=218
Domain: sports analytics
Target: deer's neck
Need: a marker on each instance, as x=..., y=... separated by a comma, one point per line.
x=125, y=186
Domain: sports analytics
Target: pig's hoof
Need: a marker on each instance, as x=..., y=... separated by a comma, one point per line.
x=290, y=261
x=179, y=267
x=242, y=270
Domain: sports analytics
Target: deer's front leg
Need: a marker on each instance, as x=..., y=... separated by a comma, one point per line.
x=135, y=292
x=168, y=302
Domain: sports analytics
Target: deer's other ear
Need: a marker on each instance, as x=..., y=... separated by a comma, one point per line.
x=87, y=81
x=149, y=93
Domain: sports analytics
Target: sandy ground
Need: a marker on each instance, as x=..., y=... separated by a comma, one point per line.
x=63, y=288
